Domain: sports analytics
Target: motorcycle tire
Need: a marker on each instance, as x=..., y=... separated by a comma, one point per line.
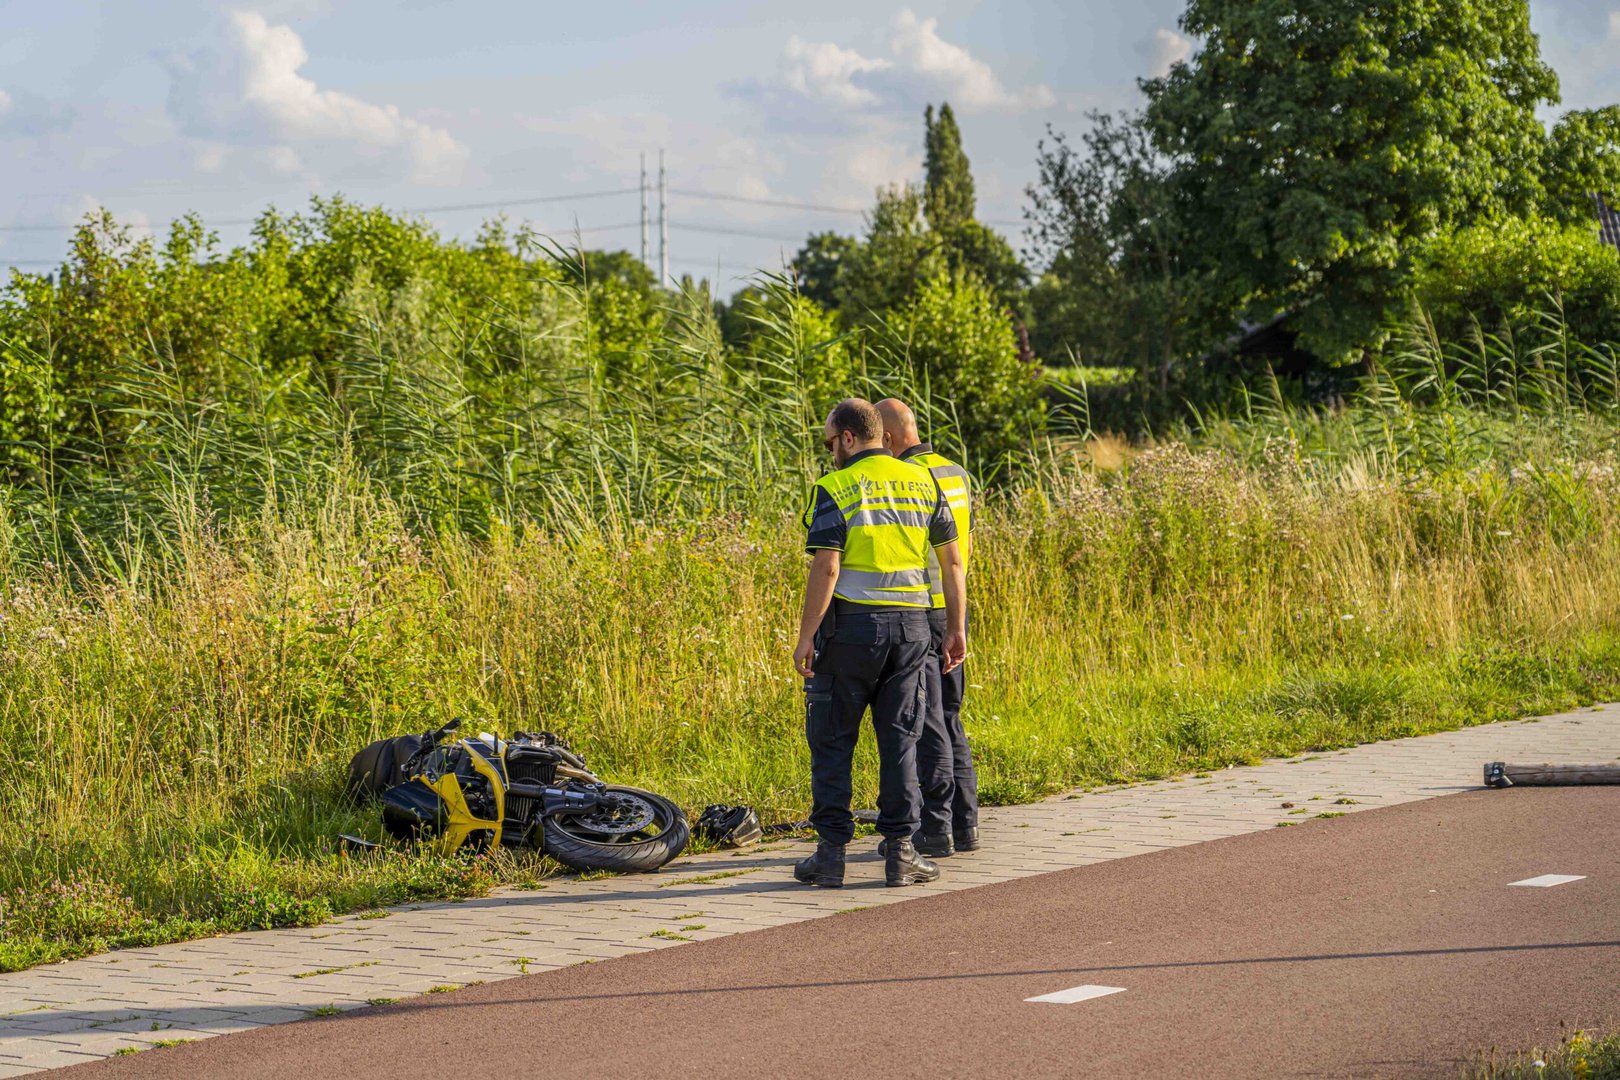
x=571, y=840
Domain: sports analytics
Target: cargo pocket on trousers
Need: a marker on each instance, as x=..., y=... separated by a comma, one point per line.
x=818, y=703
x=917, y=709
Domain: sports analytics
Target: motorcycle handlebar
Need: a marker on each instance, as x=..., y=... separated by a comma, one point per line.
x=432, y=738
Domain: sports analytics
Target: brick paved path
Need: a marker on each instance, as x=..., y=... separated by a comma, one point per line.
x=72, y=1012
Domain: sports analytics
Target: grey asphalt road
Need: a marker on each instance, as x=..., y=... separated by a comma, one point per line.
x=1390, y=943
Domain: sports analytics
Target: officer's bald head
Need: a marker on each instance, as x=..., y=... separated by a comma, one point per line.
x=899, y=425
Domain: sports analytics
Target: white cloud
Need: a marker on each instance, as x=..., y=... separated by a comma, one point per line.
x=822, y=71
x=1164, y=50
x=817, y=80
x=862, y=166
x=281, y=159
x=971, y=82
x=5, y=103
x=248, y=90
x=1614, y=25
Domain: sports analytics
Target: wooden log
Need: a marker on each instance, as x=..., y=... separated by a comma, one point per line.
x=1501, y=774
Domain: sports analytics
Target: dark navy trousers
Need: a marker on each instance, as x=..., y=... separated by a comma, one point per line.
x=876, y=659
x=950, y=786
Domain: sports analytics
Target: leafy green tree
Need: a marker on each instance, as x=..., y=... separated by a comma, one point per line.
x=819, y=263
x=978, y=249
x=948, y=187
x=1311, y=141
x=911, y=236
x=1103, y=220
x=1583, y=156
x=896, y=254
x=965, y=352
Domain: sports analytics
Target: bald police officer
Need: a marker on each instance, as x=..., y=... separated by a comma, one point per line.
x=950, y=786
x=864, y=636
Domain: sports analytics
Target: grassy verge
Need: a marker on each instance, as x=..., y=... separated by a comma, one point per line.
x=175, y=723
x=1579, y=1057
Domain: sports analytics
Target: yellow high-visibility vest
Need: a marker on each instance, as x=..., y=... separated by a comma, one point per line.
x=886, y=516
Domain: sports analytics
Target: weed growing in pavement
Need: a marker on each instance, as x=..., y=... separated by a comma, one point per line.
x=382, y=1001
x=704, y=879
x=321, y=1010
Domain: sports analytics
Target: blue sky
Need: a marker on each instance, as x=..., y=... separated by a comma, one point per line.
x=166, y=106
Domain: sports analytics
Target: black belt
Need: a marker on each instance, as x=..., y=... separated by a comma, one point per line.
x=840, y=606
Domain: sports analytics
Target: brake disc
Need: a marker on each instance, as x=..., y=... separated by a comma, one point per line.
x=620, y=814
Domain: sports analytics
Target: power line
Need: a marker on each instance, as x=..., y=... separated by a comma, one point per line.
x=520, y=202
x=788, y=204
x=603, y=228
x=560, y=232
x=710, y=263
x=725, y=230
x=784, y=203
x=448, y=208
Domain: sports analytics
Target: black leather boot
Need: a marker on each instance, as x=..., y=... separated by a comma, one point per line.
x=903, y=866
x=824, y=868
x=934, y=846
x=966, y=839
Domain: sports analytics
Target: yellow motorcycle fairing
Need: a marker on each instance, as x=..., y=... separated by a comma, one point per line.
x=460, y=822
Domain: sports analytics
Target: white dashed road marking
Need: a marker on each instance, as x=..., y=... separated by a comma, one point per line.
x=1077, y=993
x=1547, y=881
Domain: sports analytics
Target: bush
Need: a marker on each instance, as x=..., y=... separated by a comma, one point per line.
x=965, y=352
x=1501, y=273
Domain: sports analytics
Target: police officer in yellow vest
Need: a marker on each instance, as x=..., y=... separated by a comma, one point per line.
x=950, y=786
x=864, y=637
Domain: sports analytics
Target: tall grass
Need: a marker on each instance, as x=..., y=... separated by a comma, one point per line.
x=196, y=634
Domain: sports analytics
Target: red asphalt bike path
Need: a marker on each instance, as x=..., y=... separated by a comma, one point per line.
x=1388, y=943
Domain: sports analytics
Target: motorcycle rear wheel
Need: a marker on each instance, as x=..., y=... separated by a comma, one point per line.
x=596, y=842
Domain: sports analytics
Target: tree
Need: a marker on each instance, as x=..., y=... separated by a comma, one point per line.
x=981, y=251
x=966, y=353
x=819, y=262
x=896, y=254
x=1310, y=140
x=948, y=187
x=911, y=236
x=1104, y=222
x=1583, y=156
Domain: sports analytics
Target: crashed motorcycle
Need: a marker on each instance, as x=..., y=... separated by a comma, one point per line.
x=529, y=791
